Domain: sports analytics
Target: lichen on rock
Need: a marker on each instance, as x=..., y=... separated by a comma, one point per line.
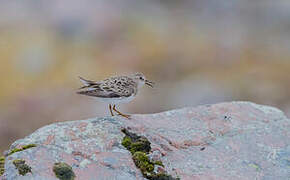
x=135, y=143
x=22, y=167
x=159, y=163
x=2, y=163
x=63, y=171
x=142, y=162
x=21, y=149
x=139, y=146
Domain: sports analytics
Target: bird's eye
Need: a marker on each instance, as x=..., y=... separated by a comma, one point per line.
x=141, y=78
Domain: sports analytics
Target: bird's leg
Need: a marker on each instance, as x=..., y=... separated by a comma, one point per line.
x=110, y=107
x=121, y=114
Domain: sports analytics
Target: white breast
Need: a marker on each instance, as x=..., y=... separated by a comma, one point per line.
x=119, y=100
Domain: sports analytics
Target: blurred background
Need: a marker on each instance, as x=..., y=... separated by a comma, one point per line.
x=197, y=51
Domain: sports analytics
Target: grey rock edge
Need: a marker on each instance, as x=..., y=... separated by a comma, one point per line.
x=236, y=140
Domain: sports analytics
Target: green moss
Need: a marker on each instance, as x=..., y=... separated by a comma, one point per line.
x=21, y=149
x=139, y=146
x=18, y=163
x=142, y=162
x=63, y=171
x=142, y=144
x=22, y=168
x=159, y=163
x=2, y=163
x=135, y=143
x=127, y=142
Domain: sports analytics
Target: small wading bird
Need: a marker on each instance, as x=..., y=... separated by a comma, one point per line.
x=115, y=90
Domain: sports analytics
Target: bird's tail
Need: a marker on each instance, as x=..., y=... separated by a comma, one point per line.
x=86, y=82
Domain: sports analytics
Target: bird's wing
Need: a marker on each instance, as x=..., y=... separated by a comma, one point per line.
x=108, y=89
x=117, y=87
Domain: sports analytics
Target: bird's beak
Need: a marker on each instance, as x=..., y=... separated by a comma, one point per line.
x=149, y=83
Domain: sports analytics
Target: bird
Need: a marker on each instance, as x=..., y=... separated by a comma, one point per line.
x=115, y=90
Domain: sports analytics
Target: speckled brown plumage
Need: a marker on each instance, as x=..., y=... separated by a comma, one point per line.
x=115, y=90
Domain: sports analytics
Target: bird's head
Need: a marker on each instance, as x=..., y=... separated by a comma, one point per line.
x=141, y=80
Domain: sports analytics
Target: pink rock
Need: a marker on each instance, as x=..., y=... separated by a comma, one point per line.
x=237, y=140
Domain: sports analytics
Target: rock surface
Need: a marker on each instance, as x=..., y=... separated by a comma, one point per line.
x=237, y=140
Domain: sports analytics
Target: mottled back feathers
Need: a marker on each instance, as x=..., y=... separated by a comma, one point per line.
x=114, y=87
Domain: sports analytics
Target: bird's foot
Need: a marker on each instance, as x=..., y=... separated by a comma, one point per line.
x=125, y=115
